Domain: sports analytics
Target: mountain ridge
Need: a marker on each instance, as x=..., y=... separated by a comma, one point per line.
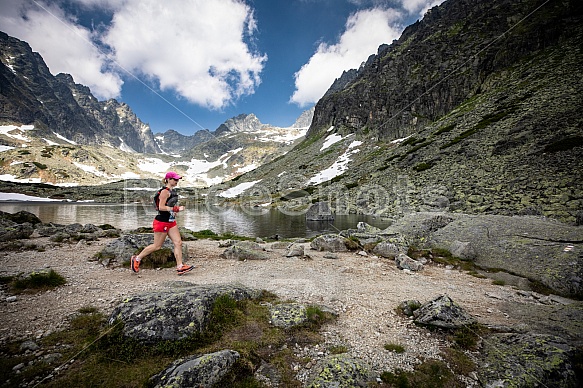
x=52, y=116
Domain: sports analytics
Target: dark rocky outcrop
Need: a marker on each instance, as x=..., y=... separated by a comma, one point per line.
x=444, y=313
x=23, y=224
x=196, y=371
x=30, y=94
x=171, y=315
x=526, y=360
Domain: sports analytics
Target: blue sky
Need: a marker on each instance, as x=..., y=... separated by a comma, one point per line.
x=192, y=64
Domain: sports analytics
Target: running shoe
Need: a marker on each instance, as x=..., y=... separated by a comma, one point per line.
x=135, y=264
x=184, y=268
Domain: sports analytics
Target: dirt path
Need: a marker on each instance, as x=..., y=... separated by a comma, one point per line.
x=364, y=291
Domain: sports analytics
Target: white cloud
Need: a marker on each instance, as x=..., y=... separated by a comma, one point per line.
x=196, y=48
x=365, y=31
x=419, y=6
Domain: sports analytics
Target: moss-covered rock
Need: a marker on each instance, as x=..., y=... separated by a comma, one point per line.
x=341, y=371
x=526, y=360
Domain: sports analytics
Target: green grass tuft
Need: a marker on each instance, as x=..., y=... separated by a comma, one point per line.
x=38, y=281
x=395, y=348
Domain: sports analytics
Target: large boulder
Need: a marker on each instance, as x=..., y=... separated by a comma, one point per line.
x=386, y=249
x=330, y=243
x=17, y=226
x=242, y=253
x=196, y=371
x=21, y=217
x=173, y=314
x=443, y=312
x=12, y=231
x=120, y=250
x=539, y=249
x=526, y=360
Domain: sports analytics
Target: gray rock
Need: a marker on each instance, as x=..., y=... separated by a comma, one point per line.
x=226, y=243
x=29, y=345
x=526, y=360
x=386, y=249
x=463, y=250
x=366, y=238
x=121, y=250
x=295, y=250
x=10, y=230
x=174, y=314
x=280, y=245
x=268, y=374
x=330, y=255
x=363, y=227
x=443, y=312
x=535, y=248
x=405, y=262
x=241, y=253
x=341, y=371
x=196, y=371
x=319, y=211
x=409, y=306
x=287, y=315
x=330, y=243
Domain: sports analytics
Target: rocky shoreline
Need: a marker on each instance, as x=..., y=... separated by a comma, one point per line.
x=360, y=275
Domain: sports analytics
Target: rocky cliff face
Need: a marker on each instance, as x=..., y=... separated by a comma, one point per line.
x=476, y=108
x=30, y=94
x=439, y=62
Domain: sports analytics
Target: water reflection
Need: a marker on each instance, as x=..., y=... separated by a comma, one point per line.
x=252, y=222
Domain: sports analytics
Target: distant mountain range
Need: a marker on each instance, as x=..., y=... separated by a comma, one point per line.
x=56, y=131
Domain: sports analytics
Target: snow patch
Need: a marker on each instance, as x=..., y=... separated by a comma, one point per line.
x=400, y=140
x=234, y=191
x=89, y=169
x=339, y=166
x=23, y=197
x=154, y=165
x=64, y=138
x=330, y=140
x=15, y=132
x=12, y=178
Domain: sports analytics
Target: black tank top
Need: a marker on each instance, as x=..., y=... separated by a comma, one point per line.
x=168, y=216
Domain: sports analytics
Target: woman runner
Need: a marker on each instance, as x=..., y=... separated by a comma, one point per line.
x=165, y=225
